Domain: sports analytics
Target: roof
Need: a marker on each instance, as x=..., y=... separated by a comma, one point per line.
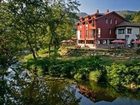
x=113, y=12
x=101, y=15
x=128, y=24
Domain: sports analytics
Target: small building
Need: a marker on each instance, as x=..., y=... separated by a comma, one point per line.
x=102, y=28
x=128, y=32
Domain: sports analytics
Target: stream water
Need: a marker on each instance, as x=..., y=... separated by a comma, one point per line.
x=90, y=93
x=44, y=91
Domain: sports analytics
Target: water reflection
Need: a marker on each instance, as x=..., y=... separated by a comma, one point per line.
x=23, y=89
x=105, y=95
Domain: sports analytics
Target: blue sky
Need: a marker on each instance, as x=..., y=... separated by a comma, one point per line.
x=90, y=6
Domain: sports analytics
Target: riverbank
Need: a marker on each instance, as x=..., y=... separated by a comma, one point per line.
x=100, y=68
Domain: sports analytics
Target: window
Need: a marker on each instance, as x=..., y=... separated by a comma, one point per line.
x=129, y=31
x=99, y=32
x=116, y=22
x=90, y=33
x=121, y=31
x=110, y=21
x=106, y=20
x=110, y=31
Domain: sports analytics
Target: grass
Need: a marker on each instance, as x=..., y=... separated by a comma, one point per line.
x=43, y=58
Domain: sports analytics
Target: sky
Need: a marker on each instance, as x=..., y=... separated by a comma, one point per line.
x=91, y=6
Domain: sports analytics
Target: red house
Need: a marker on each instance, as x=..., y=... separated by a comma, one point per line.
x=97, y=29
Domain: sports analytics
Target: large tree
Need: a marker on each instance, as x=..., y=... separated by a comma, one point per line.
x=61, y=21
x=36, y=19
x=30, y=22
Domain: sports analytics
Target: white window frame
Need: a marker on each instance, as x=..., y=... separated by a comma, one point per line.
x=99, y=32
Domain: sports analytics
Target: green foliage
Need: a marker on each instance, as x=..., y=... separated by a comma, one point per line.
x=78, y=76
x=65, y=68
x=95, y=75
x=123, y=74
x=138, y=51
x=134, y=17
x=115, y=74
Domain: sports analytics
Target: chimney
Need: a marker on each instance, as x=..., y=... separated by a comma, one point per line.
x=107, y=11
x=97, y=12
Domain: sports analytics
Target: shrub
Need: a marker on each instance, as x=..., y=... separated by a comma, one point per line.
x=115, y=74
x=78, y=76
x=138, y=51
x=55, y=70
x=95, y=75
x=82, y=73
x=123, y=75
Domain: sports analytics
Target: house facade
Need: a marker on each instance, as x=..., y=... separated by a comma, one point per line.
x=102, y=28
x=128, y=32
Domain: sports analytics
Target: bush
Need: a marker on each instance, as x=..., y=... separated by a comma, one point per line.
x=138, y=51
x=123, y=75
x=95, y=75
x=78, y=76
x=115, y=74
x=82, y=73
x=55, y=70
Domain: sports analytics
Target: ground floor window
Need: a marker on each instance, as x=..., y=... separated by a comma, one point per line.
x=121, y=31
x=81, y=41
x=89, y=42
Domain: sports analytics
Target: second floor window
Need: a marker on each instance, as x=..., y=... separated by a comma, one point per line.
x=99, y=32
x=116, y=22
x=110, y=21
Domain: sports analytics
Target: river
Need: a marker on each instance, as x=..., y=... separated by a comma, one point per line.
x=26, y=90
x=90, y=93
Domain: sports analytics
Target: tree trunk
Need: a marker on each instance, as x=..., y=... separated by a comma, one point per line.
x=31, y=48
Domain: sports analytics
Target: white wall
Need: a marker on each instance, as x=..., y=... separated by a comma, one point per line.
x=120, y=36
x=135, y=31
